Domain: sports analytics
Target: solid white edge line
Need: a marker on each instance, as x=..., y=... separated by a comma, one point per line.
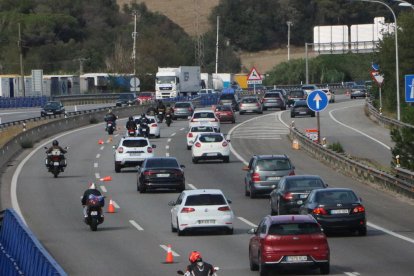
x=115, y=204
x=95, y=165
x=102, y=147
x=97, y=176
x=182, y=128
x=136, y=225
x=247, y=222
x=175, y=254
x=98, y=155
x=168, y=140
x=192, y=186
x=173, y=134
x=390, y=232
x=354, y=129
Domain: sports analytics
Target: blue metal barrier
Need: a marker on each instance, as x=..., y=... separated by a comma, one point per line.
x=20, y=251
x=23, y=102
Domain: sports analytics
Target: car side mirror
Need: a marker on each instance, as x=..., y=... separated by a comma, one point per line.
x=246, y=168
x=252, y=231
x=154, y=146
x=171, y=203
x=182, y=166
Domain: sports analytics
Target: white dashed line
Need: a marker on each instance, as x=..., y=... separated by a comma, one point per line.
x=103, y=189
x=352, y=273
x=192, y=186
x=108, y=141
x=97, y=175
x=95, y=165
x=98, y=155
x=173, y=134
x=247, y=222
x=116, y=135
x=175, y=254
x=168, y=140
x=182, y=128
x=167, y=154
x=136, y=225
x=102, y=147
x=115, y=204
x=167, y=147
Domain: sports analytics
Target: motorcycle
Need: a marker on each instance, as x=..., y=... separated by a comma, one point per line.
x=180, y=272
x=94, y=212
x=131, y=132
x=144, y=130
x=168, y=119
x=110, y=127
x=55, y=161
x=160, y=116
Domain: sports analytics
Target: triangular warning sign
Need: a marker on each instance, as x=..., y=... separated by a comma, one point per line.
x=254, y=75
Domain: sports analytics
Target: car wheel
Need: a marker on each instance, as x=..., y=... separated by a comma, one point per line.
x=253, y=265
x=195, y=160
x=325, y=268
x=226, y=159
x=246, y=192
x=313, y=115
x=262, y=267
x=118, y=168
x=264, y=108
x=362, y=231
x=252, y=193
x=292, y=115
x=173, y=229
x=279, y=210
x=158, y=136
x=233, y=122
x=181, y=189
x=188, y=147
x=229, y=231
x=260, y=112
x=272, y=212
x=141, y=188
x=241, y=113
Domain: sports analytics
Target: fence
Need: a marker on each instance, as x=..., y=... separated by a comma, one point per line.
x=23, y=102
x=20, y=251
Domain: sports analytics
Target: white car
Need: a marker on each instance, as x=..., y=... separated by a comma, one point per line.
x=210, y=146
x=132, y=151
x=330, y=94
x=204, y=117
x=201, y=209
x=194, y=131
x=153, y=125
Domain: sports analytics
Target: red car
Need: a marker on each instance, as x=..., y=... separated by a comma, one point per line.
x=288, y=240
x=225, y=113
x=144, y=97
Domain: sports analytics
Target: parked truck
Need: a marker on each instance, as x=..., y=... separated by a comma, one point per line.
x=180, y=81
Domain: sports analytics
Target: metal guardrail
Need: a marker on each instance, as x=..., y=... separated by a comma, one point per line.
x=385, y=121
x=20, y=251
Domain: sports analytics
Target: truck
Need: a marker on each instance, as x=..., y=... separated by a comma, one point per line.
x=227, y=79
x=241, y=79
x=206, y=80
x=171, y=82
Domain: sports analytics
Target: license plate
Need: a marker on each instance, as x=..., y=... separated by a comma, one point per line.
x=299, y=202
x=296, y=258
x=303, y=196
x=49, y=113
x=55, y=163
x=302, y=112
x=273, y=178
x=212, y=154
x=339, y=211
x=109, y=125
x=94, y=213
x=163, y=175
x=207, y=221
x=135, y=154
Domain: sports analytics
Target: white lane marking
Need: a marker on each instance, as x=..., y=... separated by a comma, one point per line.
x=97, y=176
x=107, y=141
x=136, y=225
x=95, y=165
x=247, y=222
x=115, y=204
x=116, y=135
x=192, y=186
x=389, y=232
x=352, y=273
x=103, y=189
x=173, y=134
x=167, y=147
x=168, y=140
x=167, y=154
x=182, y=128
x=356, y=130
x=175, y=254
x=98, y=155
x=102, y=147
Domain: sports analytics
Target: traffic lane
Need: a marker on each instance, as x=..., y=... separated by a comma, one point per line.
x=352, y=141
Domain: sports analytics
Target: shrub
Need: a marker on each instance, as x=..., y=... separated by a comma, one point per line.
x=337, y=147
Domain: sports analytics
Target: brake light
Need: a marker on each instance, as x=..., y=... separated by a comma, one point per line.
x=178, y=173
x=241, y=105
x=292, y=172
x=187, y=210
x=120, y=149
x=192, y=120
x=198, y=144
x=358, y=209
x=288, y=196
x=319, y=211
x=263, y=100
x=149, y=173
x=224, y=208
x=56, y=158
x=154, y=125
x=256, y=177
x=190, y=135
x=190, y=109
x=224, y=144
x=149, y=149
x=215, y=120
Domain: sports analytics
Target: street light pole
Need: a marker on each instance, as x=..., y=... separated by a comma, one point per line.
x=134, y=51
x=306, y=63
x=289, y=23
x=404, y=4
x=397, y=79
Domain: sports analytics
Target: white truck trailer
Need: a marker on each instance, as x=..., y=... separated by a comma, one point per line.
x=180, y=81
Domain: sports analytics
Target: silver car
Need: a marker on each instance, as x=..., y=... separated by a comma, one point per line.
x=183, y=110
x=250, y=104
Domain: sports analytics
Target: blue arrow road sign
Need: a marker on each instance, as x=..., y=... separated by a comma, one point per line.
x=317, y=100
x=409, y=88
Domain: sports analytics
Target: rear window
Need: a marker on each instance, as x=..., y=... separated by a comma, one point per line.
x=227, y=97
x=202, y=129
x=134, y=143
x=336, y=197
x=211, y=138
x=304, y=184
x=202, y=115
x=205, y=199
x=296, y=93
x=126, y=96
x=182, y=105
x=301, y=104
x=273, y=165
x=162, y=163
x=294, y=229
x=272, y=95
x=309, y=87
x=249, y=100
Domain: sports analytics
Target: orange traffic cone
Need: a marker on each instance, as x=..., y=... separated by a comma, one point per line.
x=111, y=207
x=100, y=142
x=169, y=259
x=106, y=178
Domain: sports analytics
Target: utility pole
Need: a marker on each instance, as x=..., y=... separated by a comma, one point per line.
x=20, y=45
x=134, y=50
x=289, y=23
x=217, y=42
x=199, y=43
x=81, y=61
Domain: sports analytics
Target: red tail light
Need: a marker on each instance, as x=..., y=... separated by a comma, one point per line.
x=224, y=208
x=150, y=172
x=263, y=100
x=178, y=173
x=56, y=158
x=198, y=144
x=120, y=149
x=190, y=109
x=319, y=211
x=190, y=135
x=288, y=196
x=192, y=120
x=149, y=150
x=154, y=125
x=215, y=120
x=187, y=210
x=241, y=105
x=358, y=209
x=292, y=173
x=256, y=177
x=224, y=144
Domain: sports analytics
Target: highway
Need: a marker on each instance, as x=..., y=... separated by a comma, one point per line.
x=132, y=241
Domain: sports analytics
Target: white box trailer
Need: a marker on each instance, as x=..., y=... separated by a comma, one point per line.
x=171, y=82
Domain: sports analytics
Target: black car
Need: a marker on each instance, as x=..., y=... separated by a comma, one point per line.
x=126, y=99
x=301, y=108
x=52, y=108
x=292, y=191
x=161, y=173
x=336, y=209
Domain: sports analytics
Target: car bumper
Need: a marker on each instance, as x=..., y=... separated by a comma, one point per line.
x=251, y=110
x=342, y=223
x=225, y=118
x=303, y=113
x=164, y=184
x=182, y=115
x=264, y=187
x=224, y=221
x=210, y=155
x=277, y=259
x=274, y=105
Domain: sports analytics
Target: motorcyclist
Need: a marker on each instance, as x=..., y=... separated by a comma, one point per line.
x=111, y=117
x=151, y=110
x=55, y=146
x=169, y=110
x=130, y=124
x=197, y=267
x=160, y=106
x=88, y=194
x=144, y=124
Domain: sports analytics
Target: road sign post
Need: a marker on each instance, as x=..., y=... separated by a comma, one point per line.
x=317, y=101
x=254, y=78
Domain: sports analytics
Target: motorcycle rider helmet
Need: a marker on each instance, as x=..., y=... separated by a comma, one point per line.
x=195, y=256
x=143, y=115
x=130, y=118
x=92, y=185
x=109, y=111
x=55, y=143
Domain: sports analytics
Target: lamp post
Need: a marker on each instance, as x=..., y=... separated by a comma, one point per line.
x=397, y=79
x=289, y=23
x=404, y=4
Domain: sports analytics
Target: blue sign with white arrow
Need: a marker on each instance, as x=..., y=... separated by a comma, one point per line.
x=317, y=100
x=409, y=88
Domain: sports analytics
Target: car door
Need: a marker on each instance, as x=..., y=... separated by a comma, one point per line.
x=257, y=239
x=248, y=178
x=176, y=208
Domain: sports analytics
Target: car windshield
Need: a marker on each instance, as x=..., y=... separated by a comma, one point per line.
x=273, y=165
x=162, y=163
x=249, y=100
x=202, y=129
x=203, y=115
x=304, y=184
x=134, y=143
x=336, y=197
x=205, y=199
x=223, y=108
x=211, y=138
x=52, y=104
x=272, y=95
x=294, y=229
x=182, y=105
